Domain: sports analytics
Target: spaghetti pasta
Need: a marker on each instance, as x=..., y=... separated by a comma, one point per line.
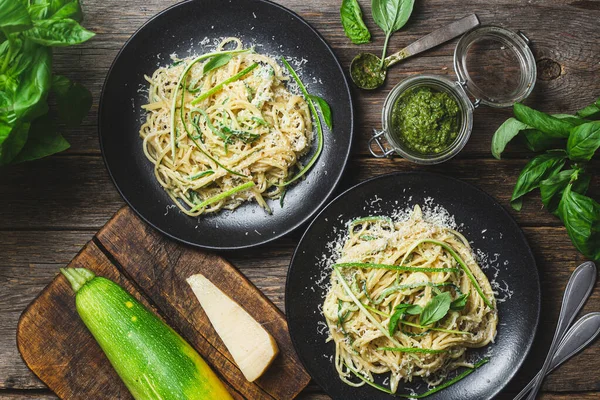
x=223, y=128
x=406, y=298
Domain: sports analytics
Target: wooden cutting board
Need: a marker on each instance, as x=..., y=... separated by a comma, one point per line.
x=58, y=348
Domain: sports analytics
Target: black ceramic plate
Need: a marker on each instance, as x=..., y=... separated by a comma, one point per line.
x=480, y=218
x=182, y=29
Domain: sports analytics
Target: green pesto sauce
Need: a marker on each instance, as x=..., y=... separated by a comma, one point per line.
x=425, y=120
x=365, y=71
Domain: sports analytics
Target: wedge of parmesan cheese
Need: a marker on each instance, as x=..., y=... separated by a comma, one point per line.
x=252, y=347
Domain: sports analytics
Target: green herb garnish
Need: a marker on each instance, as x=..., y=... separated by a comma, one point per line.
x=560, y=175
x=399, y=311
x=216, y=62
x=180, y=85
x=436, y=309
x=353, y=23
x=28, y=31
x=390, y=15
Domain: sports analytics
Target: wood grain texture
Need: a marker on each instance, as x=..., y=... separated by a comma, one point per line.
x=554, y=254
x=53, y=207
x=142, y=261
x=160, y=267
x=306, y=395
x=564, y=32
x=87, y=199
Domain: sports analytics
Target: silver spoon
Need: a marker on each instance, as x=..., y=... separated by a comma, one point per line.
x=578, y=337
x=368, y=71
x=578, y=290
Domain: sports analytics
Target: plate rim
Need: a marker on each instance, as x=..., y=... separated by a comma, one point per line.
x=521, y=235
x=308, y=217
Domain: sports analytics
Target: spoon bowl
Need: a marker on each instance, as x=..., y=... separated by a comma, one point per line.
x=366, y=72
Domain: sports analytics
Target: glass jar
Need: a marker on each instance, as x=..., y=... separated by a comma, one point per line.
x=495, y=67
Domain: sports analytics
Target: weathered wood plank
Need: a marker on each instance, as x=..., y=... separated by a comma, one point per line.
x=27, y=394
x=308, y=396
x=555, y=256
x=318, y=396
x=75, y=192
x=158, y=268
x=571, y=48
x=543, y=396
x=57, y=193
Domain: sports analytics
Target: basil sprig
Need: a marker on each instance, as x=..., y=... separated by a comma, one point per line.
x=390, y=15
x=581, y=216
x=590, y=111
x=399, y=311
x=560, y=174
x=28, y=31
x=537, y=170
x=436, y=309
x=215, y=62
x=353, y=23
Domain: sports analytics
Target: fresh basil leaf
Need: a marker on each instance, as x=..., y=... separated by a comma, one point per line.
x=538, y=141
x=215, y=62
x=551, y=189
x=399, y=311
x=14, y=142
x=593, y=110
x=581, y=216
x=393, y=324
x=436, y=309
x=67, y=9
x=570, y=119
x=7, y=123
x=14, y=16
x=504, y=134
x=353, y=23
x=30, y=95
x=582, y=183
x=536, y=170
x=324, y=108
x=55, y=9
x=58, y=32
x=460, y=302
x=583, y=141
x=74, y=101
x=43, y=140
x=391, y=15
x=414, y=309
x=552, y=126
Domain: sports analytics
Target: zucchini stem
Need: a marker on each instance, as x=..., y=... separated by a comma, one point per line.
x=77, y=277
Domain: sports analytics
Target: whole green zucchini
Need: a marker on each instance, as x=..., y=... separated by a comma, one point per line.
x=153, y=361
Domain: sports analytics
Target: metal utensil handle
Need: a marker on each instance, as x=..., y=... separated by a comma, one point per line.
x=579, y=336
x=434, y=39
x=376, y=137
x=577, y=292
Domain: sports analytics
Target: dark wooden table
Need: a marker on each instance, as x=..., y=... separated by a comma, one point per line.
x=51, y=208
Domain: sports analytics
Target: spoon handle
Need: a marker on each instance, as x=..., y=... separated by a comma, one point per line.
x=578, y=290
x=578, y=337
x=434, y=39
